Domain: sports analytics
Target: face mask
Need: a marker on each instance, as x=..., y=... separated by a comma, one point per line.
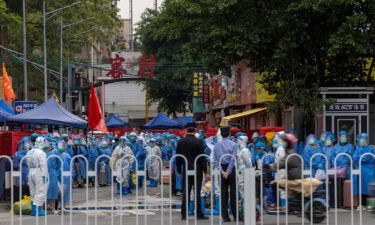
x=133, y=139
x=362, y=142
x=255, y=140
x=69, y=145
x=76, y=142
x=311, y=141
x=27, y=146
x=275, y=145
x=323, y=138
x=104, y=146
x=343, y=140
x=60, y=149
x=328, y=143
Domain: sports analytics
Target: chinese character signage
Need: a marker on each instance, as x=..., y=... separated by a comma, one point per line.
x=195, y=86
x=24, y=106
x=347, y=107
x=116, y=70
x=147, y=66
x=206, y=90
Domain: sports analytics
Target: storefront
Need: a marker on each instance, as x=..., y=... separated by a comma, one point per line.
x=350, y=111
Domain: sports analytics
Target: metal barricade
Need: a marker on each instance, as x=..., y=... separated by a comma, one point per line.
x=253, y=208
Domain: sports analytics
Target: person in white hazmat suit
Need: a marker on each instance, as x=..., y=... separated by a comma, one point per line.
x=121, y=159
x=244, y=161
x=153, y=162
x=38, y=176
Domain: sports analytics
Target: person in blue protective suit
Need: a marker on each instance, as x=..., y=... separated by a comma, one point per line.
x=93, y=153
x=69, y=147
x=322, y=138
x=310, y=161
x=367, y=167
x=53, y=164
x=268, y=175
x=255, y=139
x=328, y=150
x=22, y=148
x=139, y=153
x=257, y=154
x=342, y=163
x=66, y=160
x=79, y=163
x=104, y=168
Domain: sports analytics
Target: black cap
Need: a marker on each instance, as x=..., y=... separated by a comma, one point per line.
x=191, y=130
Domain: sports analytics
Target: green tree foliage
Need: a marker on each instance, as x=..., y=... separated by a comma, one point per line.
x=298, y=45
x=174, y=65
x=104, y=23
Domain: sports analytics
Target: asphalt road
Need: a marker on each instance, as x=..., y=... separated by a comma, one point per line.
x=84, y=211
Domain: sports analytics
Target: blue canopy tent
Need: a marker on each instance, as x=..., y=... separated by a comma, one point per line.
x=50, y=113
x=161, y=121
x=5, y=111
x=112, y=121
x=186, y=119
x=178, y=120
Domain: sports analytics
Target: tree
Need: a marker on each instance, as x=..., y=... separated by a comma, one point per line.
x=173, y=64
x=104, y=20
x=298, y=46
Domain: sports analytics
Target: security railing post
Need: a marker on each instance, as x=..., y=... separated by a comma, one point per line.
x=249, y=197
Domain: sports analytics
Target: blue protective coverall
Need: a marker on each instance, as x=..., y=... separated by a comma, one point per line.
x=18, y=156
x=107, y=151
x=66, y=180
x=367, y=169
x=318, y=162
x=53, y=165
x=93, y=154
x=342, y=160
x=140, y=154
x=82, y=150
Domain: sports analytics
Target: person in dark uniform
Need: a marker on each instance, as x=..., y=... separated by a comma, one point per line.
x=191, y=147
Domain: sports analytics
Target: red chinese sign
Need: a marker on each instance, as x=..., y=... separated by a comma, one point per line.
x=147, y=66
x=116, y=64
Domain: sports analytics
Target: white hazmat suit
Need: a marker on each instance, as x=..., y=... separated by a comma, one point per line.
x=38, y=175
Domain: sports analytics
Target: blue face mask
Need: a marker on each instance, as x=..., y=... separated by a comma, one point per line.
x=343, y=140
x=328, y=143
x=362, y=142
x=27, y=146
x=275, y=145
x=311, y=141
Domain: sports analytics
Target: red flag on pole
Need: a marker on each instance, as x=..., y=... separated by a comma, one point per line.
x=95, y=117
x=7, y=85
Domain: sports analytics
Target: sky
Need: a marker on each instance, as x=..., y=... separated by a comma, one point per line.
x=139, y=7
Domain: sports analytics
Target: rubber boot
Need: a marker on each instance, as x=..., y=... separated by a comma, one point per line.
x=151, y=183
x=118, y=188
x=125, y=191
x=217, y=206
x=191, y=208
x=203, y=205
x=155, y=183
x=33, y=209
x=37, y=211
x=282, y=202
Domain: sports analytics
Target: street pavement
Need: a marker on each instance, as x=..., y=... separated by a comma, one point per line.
x=148, y=212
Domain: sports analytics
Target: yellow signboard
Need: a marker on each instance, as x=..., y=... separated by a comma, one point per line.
x=261, y=94
x=370, y=65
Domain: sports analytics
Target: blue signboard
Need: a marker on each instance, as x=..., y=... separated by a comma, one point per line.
x=24, y=106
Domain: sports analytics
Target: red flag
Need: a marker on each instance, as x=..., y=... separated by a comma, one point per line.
x=96, y=119
x=7, y=85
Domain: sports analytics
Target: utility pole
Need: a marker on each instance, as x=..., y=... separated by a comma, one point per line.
x=131, y=24
x=61, y=59
x=156, y=5
x=45, y=52
x=24, y=51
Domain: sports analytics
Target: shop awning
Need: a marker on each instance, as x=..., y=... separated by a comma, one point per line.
x=238, y=116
